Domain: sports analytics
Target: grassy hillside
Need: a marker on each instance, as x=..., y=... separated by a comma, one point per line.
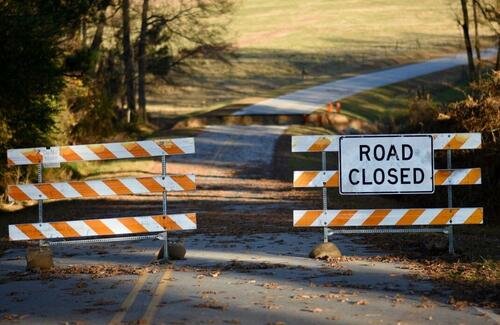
x=282, y=44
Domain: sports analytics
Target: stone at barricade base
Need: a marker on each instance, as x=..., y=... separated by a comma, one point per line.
x=325, y=250
x=176, y=251
x=39, y=258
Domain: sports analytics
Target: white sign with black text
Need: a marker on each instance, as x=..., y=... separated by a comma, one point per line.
x=386, y=164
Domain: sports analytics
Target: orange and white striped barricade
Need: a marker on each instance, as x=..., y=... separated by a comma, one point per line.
x=111, y=229
x=389, y=219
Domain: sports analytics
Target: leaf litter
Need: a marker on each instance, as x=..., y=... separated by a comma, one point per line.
x=95, y=271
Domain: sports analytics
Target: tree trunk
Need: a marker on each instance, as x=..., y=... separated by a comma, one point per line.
x=497, y=64
x=128, y=60
x=97, y=40
x=468, y=44
x=142, y=62
x=84, y=32
x=477, y=45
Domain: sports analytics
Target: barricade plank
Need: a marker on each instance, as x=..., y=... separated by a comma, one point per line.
x=330, y=143
x=106, y=187
x=104, y=151
x=102, y=227
x=330, y=178
x=387, y=217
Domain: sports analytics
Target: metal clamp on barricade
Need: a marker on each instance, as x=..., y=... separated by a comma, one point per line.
x=102, y=229
x=387, y=164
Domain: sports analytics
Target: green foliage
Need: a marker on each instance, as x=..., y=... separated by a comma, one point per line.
x=82, y=61
x=32, y=35
x=94, y=102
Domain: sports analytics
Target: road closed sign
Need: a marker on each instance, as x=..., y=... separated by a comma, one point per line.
x=386, y=164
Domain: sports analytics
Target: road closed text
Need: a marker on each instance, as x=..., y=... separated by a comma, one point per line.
x=386, y=164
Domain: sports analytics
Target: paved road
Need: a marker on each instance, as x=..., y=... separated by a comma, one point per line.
x=234, y=146
x=308, y=100
x=255, y=279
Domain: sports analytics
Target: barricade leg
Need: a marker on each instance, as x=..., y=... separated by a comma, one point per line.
x=451, y=246
x=40, y=202
x=164, y=173
x=39, y=258
x=325, y=198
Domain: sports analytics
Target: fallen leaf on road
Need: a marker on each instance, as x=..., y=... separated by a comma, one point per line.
x=313, y=310
x=94, y=270
x=214, y=274
x=302, y=297
x=458, y=304
x=271, y=285
x=397, y=299
x=14, y=317
x=212, y=304
x=425, y=303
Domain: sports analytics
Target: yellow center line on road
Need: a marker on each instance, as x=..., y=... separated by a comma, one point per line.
x=117, y=319
x=148, y=316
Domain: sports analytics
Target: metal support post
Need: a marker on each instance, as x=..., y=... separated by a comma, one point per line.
x=164, y=174
x=40, y=202
x=325, y=199
x=451, y=246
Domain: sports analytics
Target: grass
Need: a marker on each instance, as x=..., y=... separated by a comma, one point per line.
x=277, y=41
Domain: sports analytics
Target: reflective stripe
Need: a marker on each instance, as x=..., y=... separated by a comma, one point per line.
x=102, y=227
x=442, y=141
x=94, y=188
x=120, y=150
x=387, y=217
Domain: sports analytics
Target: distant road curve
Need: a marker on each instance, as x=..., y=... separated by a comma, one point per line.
x=308, y=100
